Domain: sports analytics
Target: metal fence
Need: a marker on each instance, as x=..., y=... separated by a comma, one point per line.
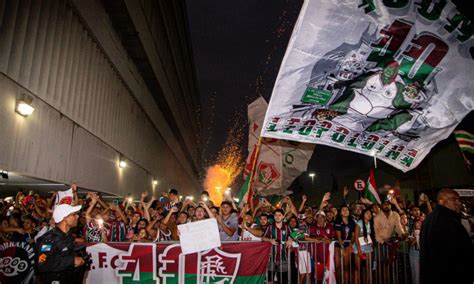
x=394, y=262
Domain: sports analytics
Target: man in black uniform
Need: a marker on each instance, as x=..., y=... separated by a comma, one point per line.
x=446, y=254
x=57, y=260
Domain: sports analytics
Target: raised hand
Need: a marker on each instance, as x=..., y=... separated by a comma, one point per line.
x=327, y=196
x=174, y=209
x=304, y=198
x=423, y=198
x=266, y=203
x=324, y=203
x=144, y=194
x=365, y=200
x=74, y=187
x=345, y=191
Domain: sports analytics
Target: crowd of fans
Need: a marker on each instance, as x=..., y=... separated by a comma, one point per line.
x=355, y=226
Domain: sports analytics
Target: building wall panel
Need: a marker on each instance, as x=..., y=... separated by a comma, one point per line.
x=46, y=49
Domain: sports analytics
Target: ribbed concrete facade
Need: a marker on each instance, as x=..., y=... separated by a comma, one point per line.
x=93, y=100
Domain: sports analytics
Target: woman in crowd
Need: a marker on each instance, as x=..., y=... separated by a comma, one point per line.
x=364, y=237
x=345, y=228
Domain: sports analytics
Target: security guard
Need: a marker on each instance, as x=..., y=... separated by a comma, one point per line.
x=57, y=260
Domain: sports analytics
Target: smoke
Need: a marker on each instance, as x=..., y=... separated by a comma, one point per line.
x=228, y=166
x=216, y=182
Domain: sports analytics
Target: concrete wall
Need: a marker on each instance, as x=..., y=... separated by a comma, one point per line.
x=86, y=114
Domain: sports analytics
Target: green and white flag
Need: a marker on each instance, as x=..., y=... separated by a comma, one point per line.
x=465, y=140
x=391, y=77
x=279, y=162
x=370, y=190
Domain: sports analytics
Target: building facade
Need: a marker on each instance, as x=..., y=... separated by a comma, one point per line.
x=109, y=81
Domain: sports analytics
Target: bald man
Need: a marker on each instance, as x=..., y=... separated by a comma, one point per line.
x=446, y=254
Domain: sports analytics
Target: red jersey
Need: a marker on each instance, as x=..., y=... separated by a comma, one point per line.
x=322, y=249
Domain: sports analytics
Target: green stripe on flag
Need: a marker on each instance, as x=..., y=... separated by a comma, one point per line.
x=192, y=278
x=145, y=277
x=243, y=189
x=469, y=149
x=463, y=135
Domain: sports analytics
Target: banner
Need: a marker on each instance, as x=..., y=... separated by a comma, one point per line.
x=279, y=161
x=386, y=78
x=243, y=262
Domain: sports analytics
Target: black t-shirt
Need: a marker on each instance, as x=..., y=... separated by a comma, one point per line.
x=346, y=229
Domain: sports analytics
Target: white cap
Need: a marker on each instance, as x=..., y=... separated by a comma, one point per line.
x=63, y=210
x=321, y=212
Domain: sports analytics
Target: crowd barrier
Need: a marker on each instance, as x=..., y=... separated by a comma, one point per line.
x=391, y=263
x=233, y=262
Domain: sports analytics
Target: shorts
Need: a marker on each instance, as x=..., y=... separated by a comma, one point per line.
x=304, y=262
x=345, y=244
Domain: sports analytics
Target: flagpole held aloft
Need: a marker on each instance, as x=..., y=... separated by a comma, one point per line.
x=254, y=163
x=373, y=153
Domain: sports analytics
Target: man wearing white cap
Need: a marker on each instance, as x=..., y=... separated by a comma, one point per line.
x=57, y=260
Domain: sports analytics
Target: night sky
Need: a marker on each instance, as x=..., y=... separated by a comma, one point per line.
x=238, y=47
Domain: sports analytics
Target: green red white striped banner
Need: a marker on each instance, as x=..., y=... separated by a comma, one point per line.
x=243, y=262
x=465, y=140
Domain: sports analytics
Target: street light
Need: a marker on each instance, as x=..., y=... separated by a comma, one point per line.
x=312, y=175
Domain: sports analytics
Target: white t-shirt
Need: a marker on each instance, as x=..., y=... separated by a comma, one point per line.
x=247, y=236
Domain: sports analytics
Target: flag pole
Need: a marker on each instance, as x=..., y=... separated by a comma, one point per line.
x=254, y=163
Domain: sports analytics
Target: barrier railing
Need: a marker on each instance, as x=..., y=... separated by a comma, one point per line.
x=393, y=262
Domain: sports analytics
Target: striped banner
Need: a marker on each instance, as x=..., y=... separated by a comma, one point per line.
x=465, y=140
x=239, y=262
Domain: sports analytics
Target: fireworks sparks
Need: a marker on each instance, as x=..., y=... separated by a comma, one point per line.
x=229, y=165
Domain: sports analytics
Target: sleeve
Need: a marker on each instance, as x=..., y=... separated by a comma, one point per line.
x=268, y=232
x=398, y=224
x=52, y=257
x=234, y=222
x=288, y=232
x=337, y=226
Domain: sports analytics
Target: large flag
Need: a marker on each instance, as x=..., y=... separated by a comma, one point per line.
x=279, y=162
x=386, y=77
x=465, y=140
x=370, y=190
